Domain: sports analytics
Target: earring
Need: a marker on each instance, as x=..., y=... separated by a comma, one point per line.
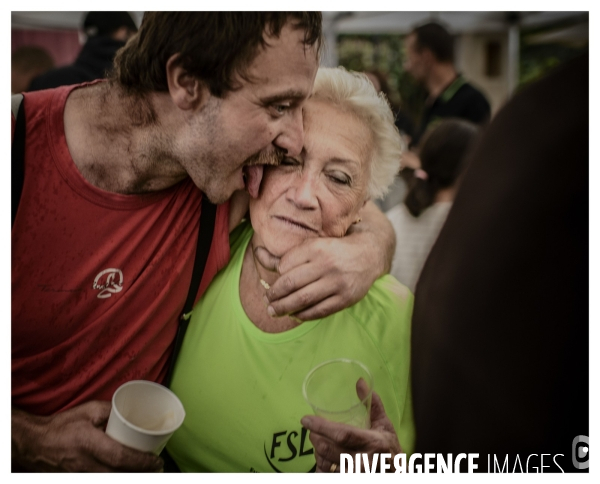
x=358, y=220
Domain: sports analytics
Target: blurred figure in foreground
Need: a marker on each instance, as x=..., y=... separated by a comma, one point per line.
x=418, y=221
x=106, y=33
x=26, y=63
x=500, y=329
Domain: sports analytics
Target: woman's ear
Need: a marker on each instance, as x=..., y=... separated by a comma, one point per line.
x=187, y=91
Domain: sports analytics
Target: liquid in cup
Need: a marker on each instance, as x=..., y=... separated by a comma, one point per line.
x=144, y=415
x=331, y=390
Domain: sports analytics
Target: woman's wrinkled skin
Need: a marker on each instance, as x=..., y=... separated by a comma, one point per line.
x=320, y=192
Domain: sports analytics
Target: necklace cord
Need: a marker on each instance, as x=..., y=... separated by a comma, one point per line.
x=263, y=283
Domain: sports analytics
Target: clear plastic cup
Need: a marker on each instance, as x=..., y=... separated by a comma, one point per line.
x=331, y=389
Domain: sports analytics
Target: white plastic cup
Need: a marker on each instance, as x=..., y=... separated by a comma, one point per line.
x=331, y=390
x=144, y=415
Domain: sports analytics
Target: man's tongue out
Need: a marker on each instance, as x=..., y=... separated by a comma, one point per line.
x=253, y=177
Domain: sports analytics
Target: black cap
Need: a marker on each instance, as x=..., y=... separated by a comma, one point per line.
x=105, y=23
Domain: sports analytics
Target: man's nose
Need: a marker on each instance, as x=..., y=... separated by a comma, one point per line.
x=291, y=137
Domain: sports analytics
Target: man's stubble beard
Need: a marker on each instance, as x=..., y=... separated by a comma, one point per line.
x=214, y=166
x=208, y=163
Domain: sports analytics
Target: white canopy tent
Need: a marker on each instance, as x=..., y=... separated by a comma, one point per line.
x=348, y=22
x=336, y=23
x=458, y=22
x=373, y=23
x=54, y=20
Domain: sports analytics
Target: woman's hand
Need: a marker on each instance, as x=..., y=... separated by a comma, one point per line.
x=330, y=439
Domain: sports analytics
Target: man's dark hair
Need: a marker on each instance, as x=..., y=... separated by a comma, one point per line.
x=212, y=46
x=437, y=39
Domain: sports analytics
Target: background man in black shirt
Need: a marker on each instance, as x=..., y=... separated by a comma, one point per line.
x=430, y=60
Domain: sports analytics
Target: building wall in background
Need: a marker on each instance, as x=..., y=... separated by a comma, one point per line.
x=483, y=59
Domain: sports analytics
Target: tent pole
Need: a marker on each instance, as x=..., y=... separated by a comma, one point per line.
x=330, y=57
x=513, y=57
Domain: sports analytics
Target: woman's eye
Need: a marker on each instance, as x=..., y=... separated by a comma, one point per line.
x=340, y=178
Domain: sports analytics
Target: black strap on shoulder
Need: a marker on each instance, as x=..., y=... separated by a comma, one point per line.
x=205, y=235
x=18, y=161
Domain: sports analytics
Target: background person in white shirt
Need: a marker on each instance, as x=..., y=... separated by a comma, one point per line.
x=418, y=221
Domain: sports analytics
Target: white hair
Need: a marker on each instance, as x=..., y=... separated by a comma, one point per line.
x=354, y=92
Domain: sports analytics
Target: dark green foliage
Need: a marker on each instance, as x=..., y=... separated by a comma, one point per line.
x=386, y=54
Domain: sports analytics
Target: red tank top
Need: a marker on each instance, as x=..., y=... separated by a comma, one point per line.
x=98, y=278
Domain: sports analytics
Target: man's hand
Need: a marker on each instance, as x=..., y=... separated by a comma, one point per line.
x=325, y=275
x=330, y=439
x=74, y=441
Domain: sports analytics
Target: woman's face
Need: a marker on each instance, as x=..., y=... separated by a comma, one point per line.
x=320, y=192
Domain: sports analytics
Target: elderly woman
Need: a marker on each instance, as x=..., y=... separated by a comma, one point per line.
x=240, y=370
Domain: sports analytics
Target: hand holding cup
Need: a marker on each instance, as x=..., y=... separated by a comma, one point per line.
x=336, y=431
x=144, y=415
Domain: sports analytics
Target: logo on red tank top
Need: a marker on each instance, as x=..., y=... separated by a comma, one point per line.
x=109, y=281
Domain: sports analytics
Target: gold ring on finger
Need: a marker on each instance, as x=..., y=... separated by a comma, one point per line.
x=333, y=467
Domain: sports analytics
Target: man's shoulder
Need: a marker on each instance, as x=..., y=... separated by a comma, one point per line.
x=469, y=92
x=469, y=103
x=35, y=98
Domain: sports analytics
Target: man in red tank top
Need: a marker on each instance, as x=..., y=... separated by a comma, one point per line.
x=106, y=231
